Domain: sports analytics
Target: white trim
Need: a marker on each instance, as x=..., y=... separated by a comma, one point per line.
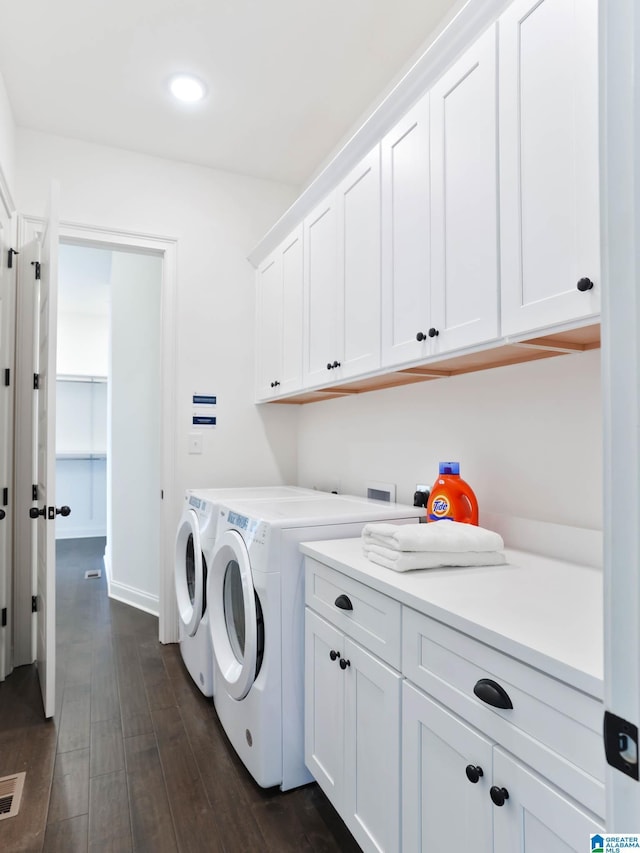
x=133, y=597
x=474, y=17
x=83, y=234
x=5, y=195
x=620, y=242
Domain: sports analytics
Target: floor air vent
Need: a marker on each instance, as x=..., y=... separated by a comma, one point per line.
x=93, y=573
x=11, y=794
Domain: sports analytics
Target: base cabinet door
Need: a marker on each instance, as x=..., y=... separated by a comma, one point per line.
x=372, y=750
x=537, y=818
x=441, y=808
x=549, y=196
x=352, y=733
x=324, y=706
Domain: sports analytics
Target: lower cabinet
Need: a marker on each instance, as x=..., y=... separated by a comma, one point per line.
x=462, y=792
x=352, y=733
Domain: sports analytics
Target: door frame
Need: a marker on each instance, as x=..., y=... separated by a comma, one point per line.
x=166, y=247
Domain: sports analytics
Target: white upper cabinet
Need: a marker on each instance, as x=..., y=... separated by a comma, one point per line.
x=321, y=294
x=342, y=279
x=405, y=238
x=549, y=214
x=464, y=200
x=359, y=267
x=279, y=312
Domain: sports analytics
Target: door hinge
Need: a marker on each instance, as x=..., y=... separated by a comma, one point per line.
x=7, y=376
x=36, y=265
x=5, y=496
x=36, y=381
x=621, y=744
x=34, y=603
x=34, y=492
x=10, y=254
x=4, y=617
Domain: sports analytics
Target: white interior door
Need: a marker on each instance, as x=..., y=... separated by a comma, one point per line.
x=46, y=458
x=7, y=379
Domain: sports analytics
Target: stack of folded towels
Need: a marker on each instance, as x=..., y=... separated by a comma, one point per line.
x=403, y=547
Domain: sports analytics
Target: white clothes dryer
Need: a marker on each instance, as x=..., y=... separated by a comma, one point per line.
x=195, y=540
x=255, y=594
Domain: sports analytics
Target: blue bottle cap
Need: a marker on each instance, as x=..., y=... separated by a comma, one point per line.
x=450, y=468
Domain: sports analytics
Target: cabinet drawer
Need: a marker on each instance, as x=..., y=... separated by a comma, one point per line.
x=552, y=726
x=374, y=621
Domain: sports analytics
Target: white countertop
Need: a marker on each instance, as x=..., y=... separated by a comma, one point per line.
x=545, y=612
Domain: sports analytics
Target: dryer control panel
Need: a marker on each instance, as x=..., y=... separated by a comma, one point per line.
x=253, y=529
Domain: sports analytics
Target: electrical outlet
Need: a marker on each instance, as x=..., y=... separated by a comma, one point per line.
x=195, y=442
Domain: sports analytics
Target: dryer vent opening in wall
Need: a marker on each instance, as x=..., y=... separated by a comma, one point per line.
x=93, y=573
x=11, y=794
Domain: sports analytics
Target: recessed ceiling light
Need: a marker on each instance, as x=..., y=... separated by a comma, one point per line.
x=187, y=88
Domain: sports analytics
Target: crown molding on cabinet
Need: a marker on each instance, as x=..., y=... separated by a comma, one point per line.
x=474, y=17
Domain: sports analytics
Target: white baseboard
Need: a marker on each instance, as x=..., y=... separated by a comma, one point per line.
x=130, y=595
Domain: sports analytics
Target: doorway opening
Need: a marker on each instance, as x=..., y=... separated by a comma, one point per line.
x=108, y=447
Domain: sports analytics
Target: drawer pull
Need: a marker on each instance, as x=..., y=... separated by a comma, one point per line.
x=473, y=773
x=344, y=663
x=498, y=795
x=491, y=693
x=343, y=603
x=334, y=655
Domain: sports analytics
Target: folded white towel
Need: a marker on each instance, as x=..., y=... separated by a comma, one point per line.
x=405, y=561
x=434, y=536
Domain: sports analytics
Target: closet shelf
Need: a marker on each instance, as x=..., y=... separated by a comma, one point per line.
x=85, y=456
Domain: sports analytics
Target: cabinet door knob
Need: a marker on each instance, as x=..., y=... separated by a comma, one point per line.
x=492, y=693
x=498, y=795
x=343, y=602
x=334, y=655
x=433, y=332
x=64, y=511
x=34, y=512
x=336, y=364
x=473, y=773
x=2, y=514
x=344, y=663
x=584, y=284
x=421, y=336
x=329, y=365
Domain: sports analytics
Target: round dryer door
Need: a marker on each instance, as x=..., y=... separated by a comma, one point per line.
x=190, y=573
x=235, y=616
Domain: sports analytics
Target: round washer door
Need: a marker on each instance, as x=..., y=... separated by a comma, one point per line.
x=189, y=573
x=232, y=614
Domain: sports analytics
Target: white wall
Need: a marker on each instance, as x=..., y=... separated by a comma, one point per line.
x=7, y=139
x=83, y=344
x=528, y=438
x=217, y=218
x=133, y=464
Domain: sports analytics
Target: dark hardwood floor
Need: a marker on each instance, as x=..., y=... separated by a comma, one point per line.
x=135, y=758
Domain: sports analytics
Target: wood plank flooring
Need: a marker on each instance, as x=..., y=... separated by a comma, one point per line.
x=135, y=758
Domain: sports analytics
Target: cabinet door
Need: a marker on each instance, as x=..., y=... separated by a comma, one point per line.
x=292, y=283
x=405, y=237
x=441, y=808
x=269, y=325
x=372, y=750
x=359, y=265
x=549, y=209
x=321, y=294
x=324, y=707
x=536, y=818
x=464, y=200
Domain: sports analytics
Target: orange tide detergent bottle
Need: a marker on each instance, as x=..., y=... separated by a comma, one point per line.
x=452, y=499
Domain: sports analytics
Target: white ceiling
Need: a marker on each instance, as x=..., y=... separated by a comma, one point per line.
x=287, y=78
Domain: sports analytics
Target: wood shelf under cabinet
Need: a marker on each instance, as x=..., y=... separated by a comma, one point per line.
x=507, y=352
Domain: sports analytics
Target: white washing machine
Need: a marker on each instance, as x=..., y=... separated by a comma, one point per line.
x=195, y=540
x=255, y=594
